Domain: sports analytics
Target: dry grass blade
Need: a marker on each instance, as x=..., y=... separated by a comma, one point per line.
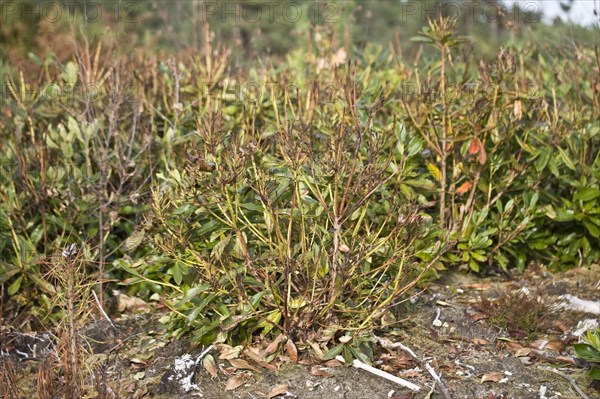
x=46, y=379
x=8, y=379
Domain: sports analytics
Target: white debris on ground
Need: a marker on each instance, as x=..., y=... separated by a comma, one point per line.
x=184, y=372
x=543, y=390
x=581, y=305
x=437, y=322
x=586, y=325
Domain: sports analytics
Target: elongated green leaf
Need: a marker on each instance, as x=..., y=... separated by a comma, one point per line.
x=587, y=194
x=333, y=352
x=587, y=352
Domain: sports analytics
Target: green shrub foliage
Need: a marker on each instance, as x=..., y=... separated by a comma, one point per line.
x=311, y=196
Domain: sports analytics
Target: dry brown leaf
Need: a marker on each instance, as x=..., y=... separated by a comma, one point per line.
x=278, y=390
x=480, y=341
x=138, y=362
x=345, y=339
x=492, y=377
x=231, y=352
x=411, y=374
x=562, y=327
x=255, y=354
x=387, y=368
x=556, y=346
x=466, y=186
x=274, y=346
x=478, y=316
x=140, y=393
x=221, y=348
x=523, y=352
x=319, y=372
x=397, y=361
x=514, y=346
x=478, y=286
x=131, y=303
x=474, y=146
x=539, y=344
x=565, y=359
x=333, y=363
x=234, y=382
x=268, y=366
x=518, y=110
x=291, y=350
x=339, y=58
x=210, y=365
x=316, y=349
x=482, y=157
x=241, y=364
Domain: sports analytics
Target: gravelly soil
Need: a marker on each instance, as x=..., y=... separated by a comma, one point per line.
x=137, y=362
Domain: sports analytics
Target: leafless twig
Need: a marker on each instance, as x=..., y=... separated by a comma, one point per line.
x=380, y=373
x=570, y=379
x=438, y=381
x=102, y=310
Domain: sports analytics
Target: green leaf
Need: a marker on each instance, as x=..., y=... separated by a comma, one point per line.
x=542, y=160
x=207, y=300
x=587, y=352
x=70, y=73
x=177, y=274
x=478, y=256
x=347, y=354
x=217, y=251
x=565, y=215
x=566, y=159
x=267, y=324
x=359, y=355
x=474, y=266
x=333, y=352
x=587, y=194
x=421, y=39
x=74, y=128
x=553, y=167
x=35, y=59
x=593, y=339
x=14, y=287
x=192, y=293
x=207, y=227
x=594, y=374
x=435, y=171
x=592, y=229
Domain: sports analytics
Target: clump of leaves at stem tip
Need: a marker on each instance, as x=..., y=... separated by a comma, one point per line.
x=440, y=33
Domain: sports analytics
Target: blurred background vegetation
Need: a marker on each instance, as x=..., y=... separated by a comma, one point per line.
x=257, y=29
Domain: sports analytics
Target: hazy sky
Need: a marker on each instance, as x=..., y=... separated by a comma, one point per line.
x=582, y=11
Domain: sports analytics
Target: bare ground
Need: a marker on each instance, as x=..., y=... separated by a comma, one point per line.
x=446, y=328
